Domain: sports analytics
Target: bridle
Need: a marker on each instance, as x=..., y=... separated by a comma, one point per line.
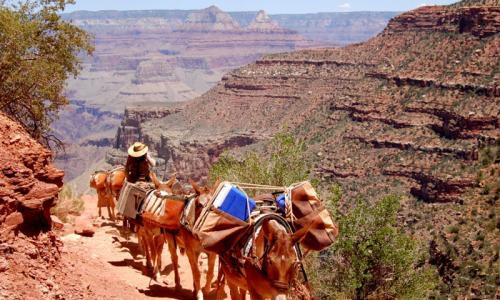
x=263, y=261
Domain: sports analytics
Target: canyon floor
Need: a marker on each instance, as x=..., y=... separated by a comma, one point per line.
x=110, y=266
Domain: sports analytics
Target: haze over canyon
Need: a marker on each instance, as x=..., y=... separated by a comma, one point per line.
x=147, y=58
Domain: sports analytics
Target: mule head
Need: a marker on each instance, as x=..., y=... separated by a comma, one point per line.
x=164, y=186
x=203, y=194
x=280, y=262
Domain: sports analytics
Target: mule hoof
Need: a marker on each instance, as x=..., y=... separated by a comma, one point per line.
x=199, y=295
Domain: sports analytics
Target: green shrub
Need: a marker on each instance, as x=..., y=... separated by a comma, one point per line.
x=284, y=164
x=69, y=203
x=372, y=258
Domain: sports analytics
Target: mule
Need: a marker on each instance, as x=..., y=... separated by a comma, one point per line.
x=108, y=185
x=98, y=181
x=152, y=239
x=270, y=267
x=115, y=181
x=184, y=239
x=192, y=245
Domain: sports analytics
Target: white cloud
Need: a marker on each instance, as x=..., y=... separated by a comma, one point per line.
x=345, y=5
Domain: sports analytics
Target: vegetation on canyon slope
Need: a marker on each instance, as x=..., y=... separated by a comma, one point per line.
x=38, y=51
x=372, y=257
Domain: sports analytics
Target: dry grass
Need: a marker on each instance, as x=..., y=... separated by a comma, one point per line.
x=69, y=203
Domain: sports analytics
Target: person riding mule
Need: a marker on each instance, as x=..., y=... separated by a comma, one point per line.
x=139, y=164
x=139, y=180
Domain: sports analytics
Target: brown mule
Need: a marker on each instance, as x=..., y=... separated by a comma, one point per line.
x=115, y=181
x=104, y=198
x=152, y=240
x=108, y=185
x=269, y=271
x=193, y=247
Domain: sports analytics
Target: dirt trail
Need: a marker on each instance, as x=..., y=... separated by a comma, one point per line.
x=112, y=266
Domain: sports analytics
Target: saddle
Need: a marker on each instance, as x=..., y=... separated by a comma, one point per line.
x=163, y=210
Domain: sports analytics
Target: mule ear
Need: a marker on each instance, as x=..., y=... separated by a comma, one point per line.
x=299, y=235
x=269, y=230
x=197, y=189
x=172, y=180
x=155, y=180
x=216, y=184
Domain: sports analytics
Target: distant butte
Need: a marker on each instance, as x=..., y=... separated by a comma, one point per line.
x=210, y=19
x=264, y=23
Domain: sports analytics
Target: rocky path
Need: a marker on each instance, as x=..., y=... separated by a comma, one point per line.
x=110, y=266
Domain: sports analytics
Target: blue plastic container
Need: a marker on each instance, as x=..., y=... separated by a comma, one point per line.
x=280, y=201
x=233, y=201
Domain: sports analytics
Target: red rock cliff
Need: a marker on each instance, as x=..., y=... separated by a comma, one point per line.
x=29, y=184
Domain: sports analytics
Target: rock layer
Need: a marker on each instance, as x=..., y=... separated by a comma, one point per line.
x=29, y=184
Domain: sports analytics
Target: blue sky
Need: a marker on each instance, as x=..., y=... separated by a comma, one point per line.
x=271, y=6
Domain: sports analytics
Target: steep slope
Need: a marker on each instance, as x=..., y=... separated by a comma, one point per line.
x=29, y=186
x=410, y=112
x=391, y=99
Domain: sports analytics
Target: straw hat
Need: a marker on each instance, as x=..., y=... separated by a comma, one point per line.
x=137, y=149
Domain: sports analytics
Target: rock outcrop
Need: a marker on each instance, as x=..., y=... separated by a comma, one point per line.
x=480, y=21
x=30, y=252
x=29, y=183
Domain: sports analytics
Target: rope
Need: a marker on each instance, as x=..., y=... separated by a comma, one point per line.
x=258, y=186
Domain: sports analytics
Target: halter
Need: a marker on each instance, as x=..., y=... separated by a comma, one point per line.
x=249, y=249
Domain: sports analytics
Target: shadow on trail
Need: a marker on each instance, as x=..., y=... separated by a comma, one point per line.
x=131, y=247
x=161, y=291
x=156, y=290
x=138, y=265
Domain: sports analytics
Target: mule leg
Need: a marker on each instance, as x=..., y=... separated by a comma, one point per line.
x=143, y=238
x=210, y=273
x=220, y=288
x=99, y=210
x=193, y=261
x=253, y=294
x=110, y=215
x=175, y=259
x=159, y=241
x=234, y=291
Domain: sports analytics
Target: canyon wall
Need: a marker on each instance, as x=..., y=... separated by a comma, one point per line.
x=407, y=111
